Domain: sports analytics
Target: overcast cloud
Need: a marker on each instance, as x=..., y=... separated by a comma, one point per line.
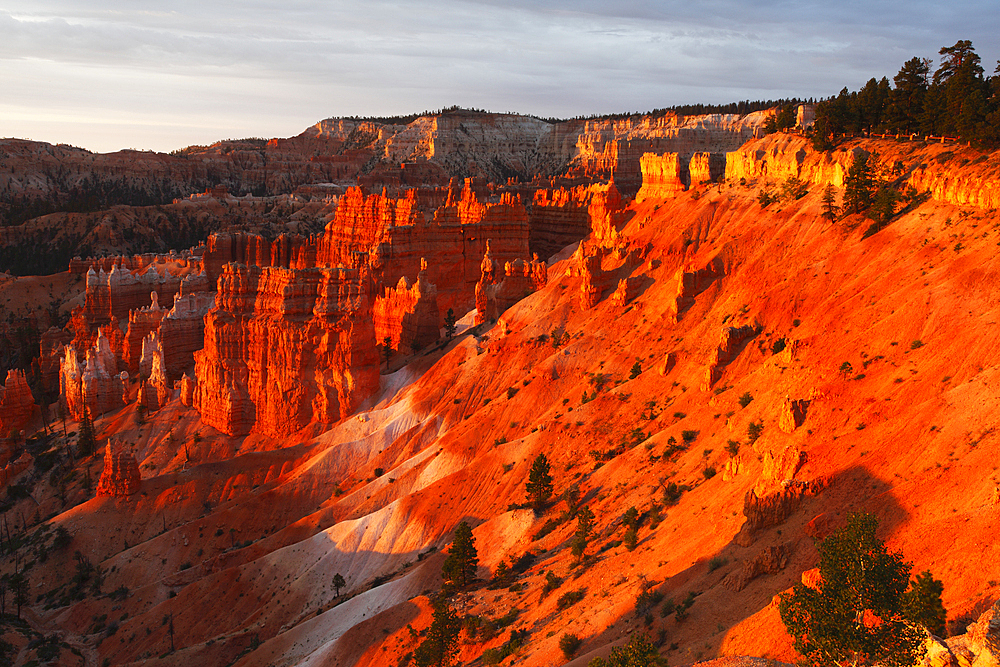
x=149, y=74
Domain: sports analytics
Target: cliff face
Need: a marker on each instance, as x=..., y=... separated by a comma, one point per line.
x=408, y=316
x=952, y=174
x=16, y=403
x=562, y=216
x=115, y=294
x=284, y=347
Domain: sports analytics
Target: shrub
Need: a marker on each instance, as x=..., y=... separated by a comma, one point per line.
x=754, y=429
x=689, y=436
x=646, y=600
x=745, y=399
x=716, y=563
x=733, y=447
x=709, y=472
x=567, y=600
x=552, y=582
x=569, y=645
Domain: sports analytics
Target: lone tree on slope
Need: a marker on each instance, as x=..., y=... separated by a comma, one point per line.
x=462, y=562
x=539, y=486
x=338, y=583
x=856, y=615
x=439, y=647
x=450, y=323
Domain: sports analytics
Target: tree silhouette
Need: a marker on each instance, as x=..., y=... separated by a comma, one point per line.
x=86, y=441
x=441, y=643
x=855, y=616
x=922, y=604
x=462, y=562
x=338, y=583
x=584, y=527
x=450, y=323
x=539, y=485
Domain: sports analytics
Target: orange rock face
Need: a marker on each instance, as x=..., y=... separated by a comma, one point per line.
x=16, y=403
x=290, y=251
x=115, y=294
x=559, y=217
x=141, y=323
x=120, y=477
x=408, y=316
x=284, y=347
x=495, y=293
x=182, y=332
x=96, y=384
x=661, y=176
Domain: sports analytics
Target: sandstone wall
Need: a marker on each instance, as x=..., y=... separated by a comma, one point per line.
x=16, y=403
x=120, y=477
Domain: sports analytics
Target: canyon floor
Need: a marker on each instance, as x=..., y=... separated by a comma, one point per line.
x=776, y=366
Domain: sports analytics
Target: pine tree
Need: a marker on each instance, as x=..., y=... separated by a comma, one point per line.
x=450, y=324
x=86, y=441
x=439, y=647
x=539, y=486
x=860, y=183
x=922, y=604
x=338, y=583
x=829, y=203
x=462, y=562
x=855, y=616
x=584, y=527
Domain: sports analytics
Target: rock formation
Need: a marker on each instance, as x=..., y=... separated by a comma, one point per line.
x=182, y=332
x=154, y=391
x=408, y=316
x=496, y=293
x=120, y=477
x=16, y=467
x=115, y=294
x=731, y=343
x=792, y=414
x=772, y=509
x=769, y=561
x=141, y=323
x=562, y=216
x=16, y=403
x=96, y=384
x=662, y=176
x=284, y=347
x=690, y=284
x=706, y=168
x=50, y=352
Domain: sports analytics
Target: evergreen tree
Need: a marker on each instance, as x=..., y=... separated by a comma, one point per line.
x=462, y=562
x=922, y=604
x=829, y=203
x=907, y=98
x=441, y=644
x=860, y=183
x=450, y=324
x=338, y=583
x=855, y=616
x=539, y=486
x=584, y=527
x=86, y=441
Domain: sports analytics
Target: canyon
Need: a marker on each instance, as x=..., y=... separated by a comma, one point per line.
x=282, y=401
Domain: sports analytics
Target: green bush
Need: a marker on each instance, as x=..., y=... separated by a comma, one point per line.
x=567, y=600
x=569, y=645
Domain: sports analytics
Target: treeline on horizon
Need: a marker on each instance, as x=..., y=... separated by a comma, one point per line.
x=741, y=108
x=956, y=101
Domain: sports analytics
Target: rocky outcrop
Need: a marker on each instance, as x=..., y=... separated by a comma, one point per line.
x=689, y=284
x=792, y=414
x=495, y=293
x=772, y=509
x=731, y=343
x=285, y=346
x=288, y=250
x=769, y=561
x=50, y=352
x=154, y=392
x=16, y=467
x=16, y=403
x=926, y=167
x=978, y=647
x=120, y=477
x=662, y=176
x=141, y=323
x=115, y=294
x=94, y=385
x=182, y=332
x=408, y=316
x=628, y=289
x=562, y=216
x=706, y=168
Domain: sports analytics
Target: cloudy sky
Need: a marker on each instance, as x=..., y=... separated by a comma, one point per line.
x=155, y=75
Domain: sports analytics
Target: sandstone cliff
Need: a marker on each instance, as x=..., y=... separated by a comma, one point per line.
x=16, y=403
x=120, y=477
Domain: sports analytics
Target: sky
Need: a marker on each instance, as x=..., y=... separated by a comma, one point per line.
x=146, y=74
